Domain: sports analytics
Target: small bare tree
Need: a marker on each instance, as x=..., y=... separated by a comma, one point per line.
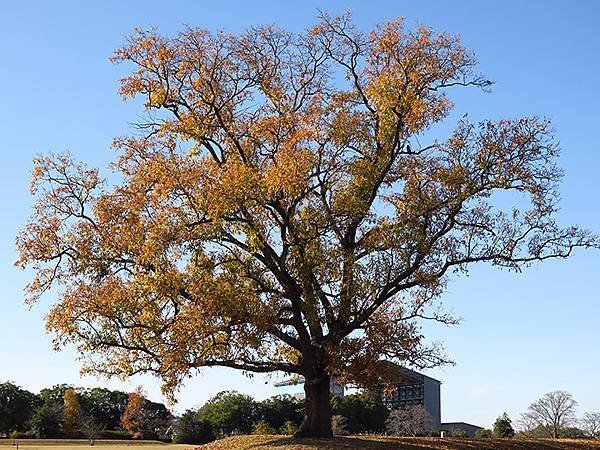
x=410, y=421
x=526, y=424
x=90, y=427
x=590, y=423
x=551, y=413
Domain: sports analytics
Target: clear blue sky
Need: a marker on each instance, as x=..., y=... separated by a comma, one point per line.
x=523, y=335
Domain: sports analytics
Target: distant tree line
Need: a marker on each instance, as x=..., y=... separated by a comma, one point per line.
x=230, y=412
x=64, y=411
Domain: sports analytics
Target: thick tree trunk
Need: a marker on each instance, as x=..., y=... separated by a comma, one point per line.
x=317, y=416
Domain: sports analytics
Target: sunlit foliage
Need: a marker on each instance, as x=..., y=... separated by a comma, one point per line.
x=275, y=211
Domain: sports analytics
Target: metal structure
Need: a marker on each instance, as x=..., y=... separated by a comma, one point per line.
x=334, y=387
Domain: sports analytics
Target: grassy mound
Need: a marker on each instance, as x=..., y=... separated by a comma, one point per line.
x=395, y=443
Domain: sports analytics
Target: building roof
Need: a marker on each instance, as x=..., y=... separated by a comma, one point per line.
x=457, y=424
x=407, y=376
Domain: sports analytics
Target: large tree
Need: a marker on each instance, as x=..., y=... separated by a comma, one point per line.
x=503, y=427
x=71, y=413
x=230, y=412
x=551, y=414
x=276, y=210
x=16, y=407
x=134, y=417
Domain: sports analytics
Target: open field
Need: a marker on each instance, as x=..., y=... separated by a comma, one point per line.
x=76, y=444
x=390, y=443
x=289, y=443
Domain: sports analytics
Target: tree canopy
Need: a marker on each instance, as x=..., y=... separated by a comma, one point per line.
x=71, y=412
x=105, y=405
x=365, y=412
x=503, y=427
x=190, y=429
x=230, y=412
x=16, y=407
x=275, y=210
x=550, y=415
x=134, y=417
